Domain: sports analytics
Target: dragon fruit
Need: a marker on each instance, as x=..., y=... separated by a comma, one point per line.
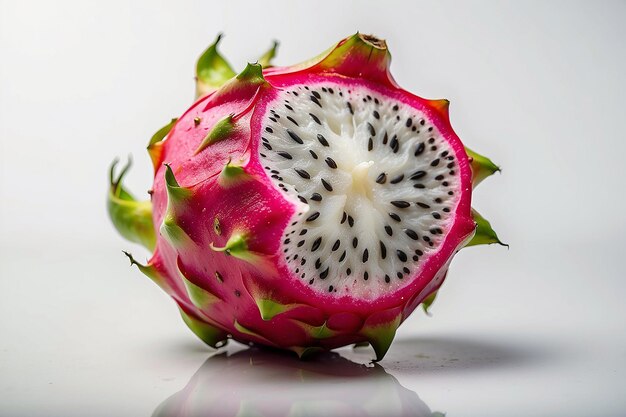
x=305, y=207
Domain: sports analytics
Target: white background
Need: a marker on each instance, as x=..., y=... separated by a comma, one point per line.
x=537, y=86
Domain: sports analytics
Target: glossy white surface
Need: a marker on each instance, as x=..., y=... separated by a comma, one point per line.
x=536, y=330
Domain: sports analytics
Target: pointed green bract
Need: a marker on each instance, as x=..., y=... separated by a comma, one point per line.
x=428, y=302
x=316, y=332
x=232, y=174
x=482, y=167
x=212, y=70
x=381, y=335
x=237, y=246
x=222, y=129
x=209, y=334
x=162, y=133
x=149, y=271
x=131, y=218
x=175, y=193
x=200, y=297
x=485, y=234
x=266, y=59
x=173, y=233
x=268, y=308
x=252, y=73
x=246, y=331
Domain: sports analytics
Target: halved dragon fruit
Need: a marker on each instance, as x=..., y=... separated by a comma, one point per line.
x=305, y=207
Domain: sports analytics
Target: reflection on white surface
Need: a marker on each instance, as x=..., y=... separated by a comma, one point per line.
x=255, y=382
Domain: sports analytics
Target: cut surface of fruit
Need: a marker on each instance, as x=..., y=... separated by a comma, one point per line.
x=376, y=184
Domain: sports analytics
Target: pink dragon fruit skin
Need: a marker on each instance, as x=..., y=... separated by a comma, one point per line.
x=230, y=230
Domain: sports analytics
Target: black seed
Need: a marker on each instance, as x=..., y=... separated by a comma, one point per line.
x=433, y=148
x=350, y=108
x=397, y=179
x=409, y=122
x=318, y=263
x=311, y=281
x=452, y=172
x=431, y=140
x=389, y=230
x=302, y=261
x=336, y=245
x=263, y=155
x=406, y=270
x=343, y=256
x=267, y=146
x=418, y=252
x=291, y=119
x=344, y=217
x=446, y=210
x=438, y=200
x=316, y=244
x=300, y=243
x=420, y=149
x=316, y=197
x=313, y=154
x=399, y=275
x=331, y=91
x=303, y=232
x=295, y=137
x=322, y=140
x=371, y=129
x=355, y=242
x=366, y=275
x=450, y=165
x=370, y=144
x=385, y=138
x=401, y=204
x=445, y=183
x=269, y=129
x=444, y=154
x=324, y=89
x=303, y=173
x=395, y=108
x=313, y=216
x=387, y=279
x=289, y=107
x=395, y=217
x=423, y=205
x=366, y=255
x=426, y=238
x=394, y=144
x=401, y=255
x=382, y=177
x=422, y=122
x=418, y=174
x=316, y=94
x=419, y=186
x=411, y=233
x=369, y=97
x=330, y=289
x=376, y=115
x=324, y=274
x=434, y=163
x=348, y=271
x=439, y=177
x=430, y=129
x=314, y=100
x=416, y=258
x=350, y=220
x=413, y=129
x=327, y=185
x=383, y=249
x=303, y=199
x=314, y=117
x=450, y=192
x=284, y=154
x=331, y=163
x=436, y=215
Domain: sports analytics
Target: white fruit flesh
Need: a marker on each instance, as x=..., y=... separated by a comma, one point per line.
x=376, y=185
